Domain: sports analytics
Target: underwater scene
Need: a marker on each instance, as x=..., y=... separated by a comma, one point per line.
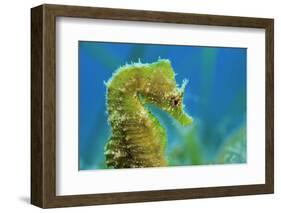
x=154, y=105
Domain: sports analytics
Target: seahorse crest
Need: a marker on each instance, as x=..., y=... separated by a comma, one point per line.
x=138, y=139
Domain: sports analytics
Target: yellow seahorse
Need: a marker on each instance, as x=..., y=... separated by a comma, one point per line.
x=138, y=139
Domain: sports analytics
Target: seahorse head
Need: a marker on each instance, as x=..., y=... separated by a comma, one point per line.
x=161, y=89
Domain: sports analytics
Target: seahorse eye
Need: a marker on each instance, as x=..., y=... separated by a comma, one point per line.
x=176, y=101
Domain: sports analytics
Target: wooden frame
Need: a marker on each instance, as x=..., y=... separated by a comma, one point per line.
x=43, y=110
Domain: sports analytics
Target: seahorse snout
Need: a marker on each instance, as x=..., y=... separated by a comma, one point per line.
x=183, y=118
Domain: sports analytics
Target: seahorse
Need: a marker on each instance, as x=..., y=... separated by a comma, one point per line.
x=138, y=139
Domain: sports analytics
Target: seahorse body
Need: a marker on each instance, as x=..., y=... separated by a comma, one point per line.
x=138, y=139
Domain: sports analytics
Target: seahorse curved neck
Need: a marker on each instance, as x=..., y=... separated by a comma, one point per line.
x=138, y=139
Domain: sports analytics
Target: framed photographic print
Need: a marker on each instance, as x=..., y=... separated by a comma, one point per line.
x=135, y=106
